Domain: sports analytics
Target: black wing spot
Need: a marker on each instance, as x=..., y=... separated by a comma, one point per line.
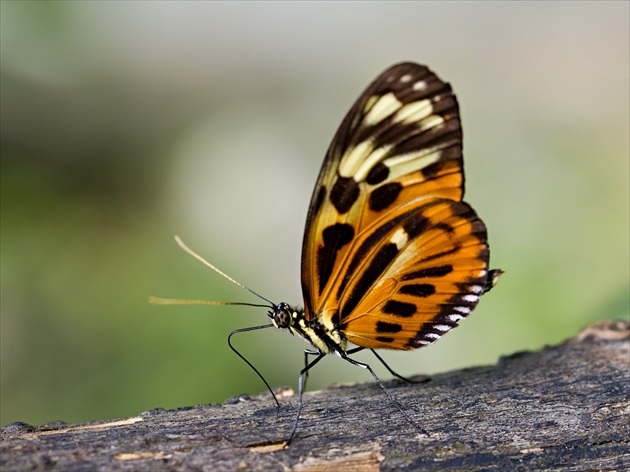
x=344, y=193
x=439, y=271
x=378, y=174
x=384, y=327
x=402, y=309
x=418, y=290
x=335, y=237
x=384, y=339
x=338, y=235
x=446, y=228
x=384, y=196
x=431, y=171
x=415, y=226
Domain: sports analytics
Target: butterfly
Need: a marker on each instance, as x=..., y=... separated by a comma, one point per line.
x=392, y=258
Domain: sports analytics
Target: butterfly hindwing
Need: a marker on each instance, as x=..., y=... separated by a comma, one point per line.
x=433, y=277
x=386, y=218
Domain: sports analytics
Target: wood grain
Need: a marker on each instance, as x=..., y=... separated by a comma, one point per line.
x=565, y=407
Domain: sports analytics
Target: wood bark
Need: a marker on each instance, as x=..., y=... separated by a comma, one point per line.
x=565, y=407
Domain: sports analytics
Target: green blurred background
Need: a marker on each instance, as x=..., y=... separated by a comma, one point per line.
x=123, y=124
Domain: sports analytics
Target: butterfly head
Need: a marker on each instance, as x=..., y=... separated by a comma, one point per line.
x=282, y=315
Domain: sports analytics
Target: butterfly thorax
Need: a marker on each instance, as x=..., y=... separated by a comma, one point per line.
x=325, y=337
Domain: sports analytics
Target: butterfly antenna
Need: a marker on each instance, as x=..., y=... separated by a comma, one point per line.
x=179, y=301
x=172, y=301
x=181, y=244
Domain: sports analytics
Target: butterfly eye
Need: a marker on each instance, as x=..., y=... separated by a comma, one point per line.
x=281, y=316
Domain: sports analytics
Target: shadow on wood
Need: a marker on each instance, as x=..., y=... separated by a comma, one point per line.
x=564, y=407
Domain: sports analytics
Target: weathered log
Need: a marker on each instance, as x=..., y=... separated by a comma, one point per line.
x=562, y=408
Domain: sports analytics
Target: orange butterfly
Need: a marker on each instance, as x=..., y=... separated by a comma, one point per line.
x=392, y=257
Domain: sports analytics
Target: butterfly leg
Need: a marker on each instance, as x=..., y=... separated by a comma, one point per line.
x=391, y=371
x=380, y=384
x=396, y=374
x=308, y=352
x=303, y=372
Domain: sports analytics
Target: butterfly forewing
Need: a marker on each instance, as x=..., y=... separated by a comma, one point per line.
x=386, y=218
